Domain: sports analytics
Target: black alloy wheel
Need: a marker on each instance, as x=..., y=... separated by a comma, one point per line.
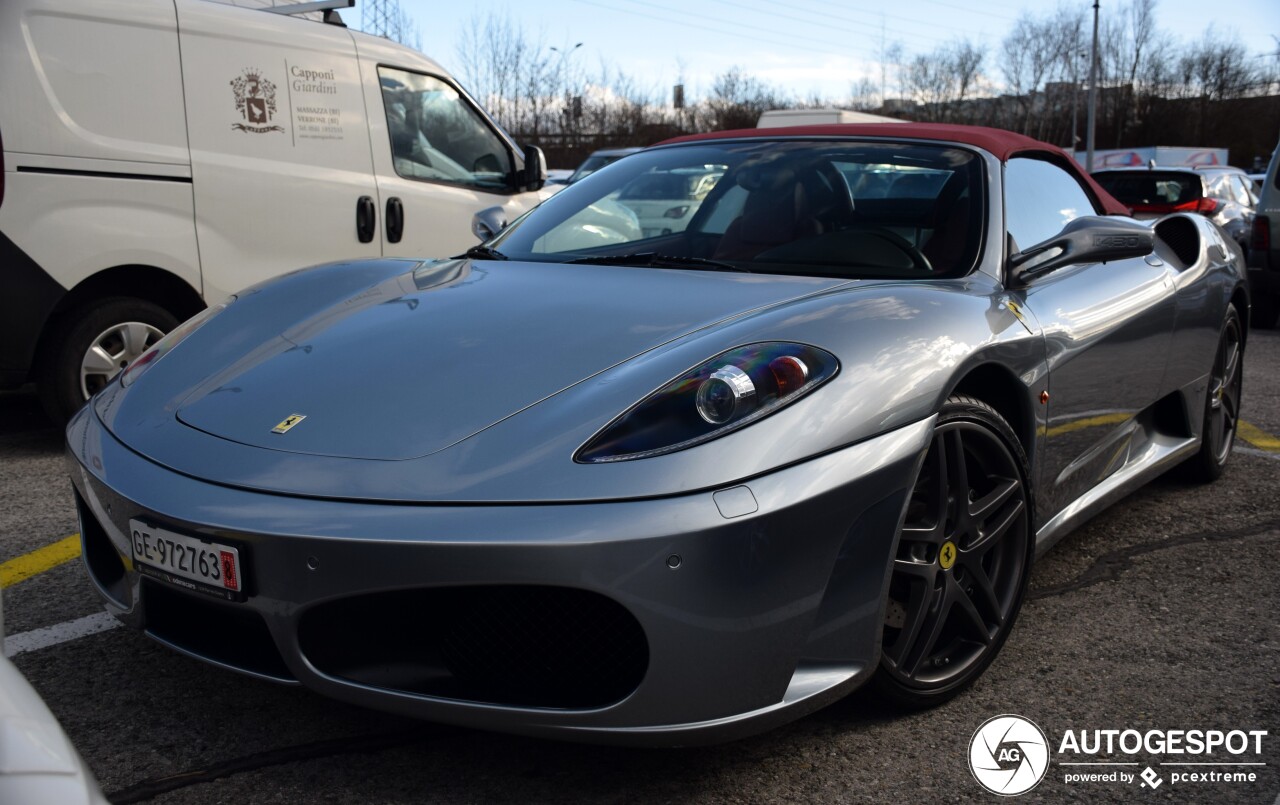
x=963, y=558
x=1222, y=403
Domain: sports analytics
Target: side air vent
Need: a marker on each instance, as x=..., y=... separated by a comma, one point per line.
x=1182, y=236
x=101, y=558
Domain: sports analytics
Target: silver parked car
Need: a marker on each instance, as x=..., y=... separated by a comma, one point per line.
x=674, y=488
x=666, y=201
x=1224, y=195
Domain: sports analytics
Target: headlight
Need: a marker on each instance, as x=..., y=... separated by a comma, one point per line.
x=175, y=336
x=731, y=390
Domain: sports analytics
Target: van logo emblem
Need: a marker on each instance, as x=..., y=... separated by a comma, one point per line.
x=255, y=101
x=289, y=422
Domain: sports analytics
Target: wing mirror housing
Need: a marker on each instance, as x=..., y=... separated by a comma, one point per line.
x=1088, y=239
x=534, y=175
x=488, y=222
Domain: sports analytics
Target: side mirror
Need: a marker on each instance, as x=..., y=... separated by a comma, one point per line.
x=1089, y=239
x=535, y=168
x=488, y=222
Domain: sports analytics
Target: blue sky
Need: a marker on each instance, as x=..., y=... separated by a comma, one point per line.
x=801, y=46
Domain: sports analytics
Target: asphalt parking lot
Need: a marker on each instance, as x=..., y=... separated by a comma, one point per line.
x=1160, y=614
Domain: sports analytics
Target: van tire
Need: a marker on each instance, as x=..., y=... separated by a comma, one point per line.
x=73, y=333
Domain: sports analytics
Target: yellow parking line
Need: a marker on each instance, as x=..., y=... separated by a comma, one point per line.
x=1257, y=437
x=1089, y=422
x=39, y=560
x=1253, y=435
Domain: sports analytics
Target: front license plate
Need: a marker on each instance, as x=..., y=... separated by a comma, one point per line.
x=194, y=564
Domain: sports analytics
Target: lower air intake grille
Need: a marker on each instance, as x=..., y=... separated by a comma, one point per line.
x=528, y=646
x=229, y=634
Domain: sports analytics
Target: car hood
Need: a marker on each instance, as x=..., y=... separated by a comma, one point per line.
x=423, y=359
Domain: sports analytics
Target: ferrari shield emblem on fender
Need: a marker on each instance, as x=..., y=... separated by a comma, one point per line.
x=289, y=422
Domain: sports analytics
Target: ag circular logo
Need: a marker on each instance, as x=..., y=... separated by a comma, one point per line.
x=1008, y=755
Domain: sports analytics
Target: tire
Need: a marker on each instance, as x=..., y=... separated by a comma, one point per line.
x=120, y=327
x=962, y=561
x=1221, y=404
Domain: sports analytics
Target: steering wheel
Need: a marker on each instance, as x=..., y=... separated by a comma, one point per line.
x=917, y=258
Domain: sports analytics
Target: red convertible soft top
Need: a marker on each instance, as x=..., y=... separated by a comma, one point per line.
x=998, y=142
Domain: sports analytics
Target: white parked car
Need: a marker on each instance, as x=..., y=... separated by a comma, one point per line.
x=664, y=201
x=38, y=764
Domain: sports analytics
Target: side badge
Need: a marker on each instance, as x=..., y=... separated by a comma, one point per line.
x=289, y=422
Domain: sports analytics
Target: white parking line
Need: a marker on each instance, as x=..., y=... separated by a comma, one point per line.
x=1251, y=451
x=37, y=639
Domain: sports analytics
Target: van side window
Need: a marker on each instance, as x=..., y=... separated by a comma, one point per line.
x=437, y=136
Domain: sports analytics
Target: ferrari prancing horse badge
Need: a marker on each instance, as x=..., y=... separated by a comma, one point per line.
x=289, y=422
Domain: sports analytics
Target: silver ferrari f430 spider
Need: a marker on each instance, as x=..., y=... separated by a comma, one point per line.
x=669, y=483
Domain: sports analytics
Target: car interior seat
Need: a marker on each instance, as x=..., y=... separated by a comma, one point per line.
x=785, y=202
x=952, y=225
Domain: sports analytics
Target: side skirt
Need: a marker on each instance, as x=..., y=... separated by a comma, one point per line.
x=1158, y=441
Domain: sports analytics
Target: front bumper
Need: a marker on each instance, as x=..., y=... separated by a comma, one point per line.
x=747, y=619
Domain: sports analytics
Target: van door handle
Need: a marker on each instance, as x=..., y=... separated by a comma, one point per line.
x=366, y=219
x=395, y=220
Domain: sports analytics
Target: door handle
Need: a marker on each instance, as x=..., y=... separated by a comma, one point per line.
x=395, y=220
x=366, y=219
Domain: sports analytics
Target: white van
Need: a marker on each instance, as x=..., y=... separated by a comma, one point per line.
x=159, y=155
x=818, y=117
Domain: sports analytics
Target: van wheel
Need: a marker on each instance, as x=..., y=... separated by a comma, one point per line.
x=91, y=345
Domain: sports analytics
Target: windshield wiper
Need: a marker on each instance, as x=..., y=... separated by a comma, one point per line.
x=660, y=261
x=482, y=253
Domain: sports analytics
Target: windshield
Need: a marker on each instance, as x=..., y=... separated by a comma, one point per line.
x=838, y=208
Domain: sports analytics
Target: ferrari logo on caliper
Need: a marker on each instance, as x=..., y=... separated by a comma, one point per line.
x=288, y=423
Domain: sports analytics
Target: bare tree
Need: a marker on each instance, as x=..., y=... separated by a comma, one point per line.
x=865, y=95
x=514, y=75
x=738, y=99
x=1126, y=39
x=966, y=61
x=1028, y=55
x=1215, y=69
x=1150, y=86
x=940, y=81
x=1038, y=56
